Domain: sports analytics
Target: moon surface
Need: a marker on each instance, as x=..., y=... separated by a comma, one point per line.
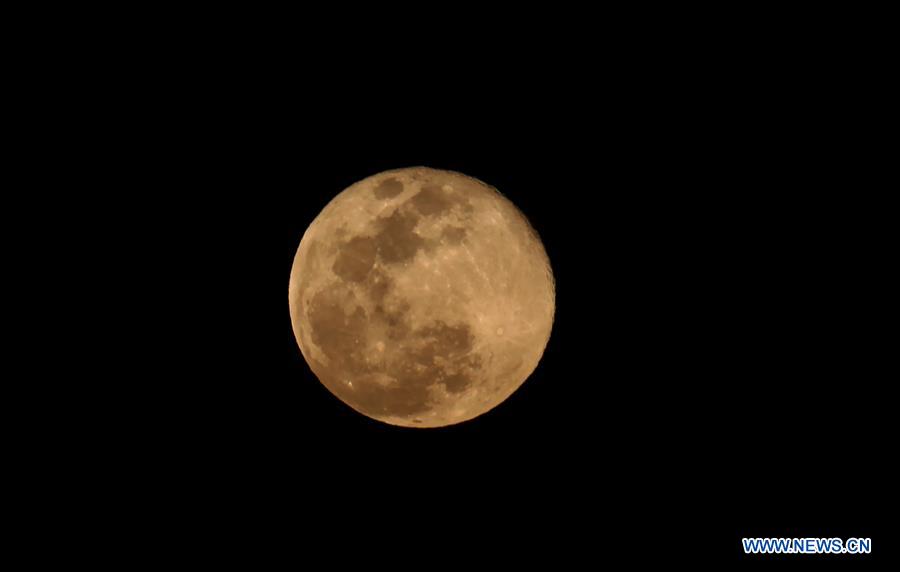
x=421, y=297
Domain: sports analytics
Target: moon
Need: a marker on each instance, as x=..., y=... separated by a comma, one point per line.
x=421, y=297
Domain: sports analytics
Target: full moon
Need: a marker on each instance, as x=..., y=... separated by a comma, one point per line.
x=421, y=297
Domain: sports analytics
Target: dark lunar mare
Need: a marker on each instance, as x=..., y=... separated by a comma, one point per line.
x=438, y=353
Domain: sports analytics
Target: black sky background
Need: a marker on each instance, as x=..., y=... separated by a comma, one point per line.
x=716, y=220
x=712, y=367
